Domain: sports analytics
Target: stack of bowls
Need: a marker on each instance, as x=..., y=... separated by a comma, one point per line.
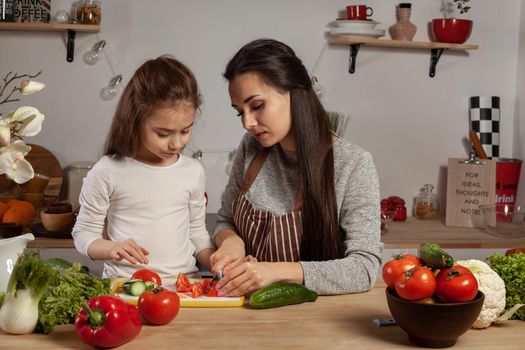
x=357, y=27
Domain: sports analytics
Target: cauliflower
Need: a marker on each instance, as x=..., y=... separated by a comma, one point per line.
x=492, y=285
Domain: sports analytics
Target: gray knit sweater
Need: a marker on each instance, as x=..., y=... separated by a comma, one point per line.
x=357, y=191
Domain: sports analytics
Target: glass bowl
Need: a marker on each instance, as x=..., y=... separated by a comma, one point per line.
x=387, y=216
x=503, y=220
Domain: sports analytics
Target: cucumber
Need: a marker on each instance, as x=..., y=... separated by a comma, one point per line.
x=281, y=294
x=434, y=256
x=134, y=287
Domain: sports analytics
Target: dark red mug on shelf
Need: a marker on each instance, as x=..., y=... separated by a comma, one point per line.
x=358, y=12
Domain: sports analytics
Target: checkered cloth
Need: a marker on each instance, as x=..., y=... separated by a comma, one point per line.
x=484, y=119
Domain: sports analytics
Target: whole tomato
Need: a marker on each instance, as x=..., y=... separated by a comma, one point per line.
x=393, y=268
x=147, y=275
x=159, y=306
x=416, y=284
x=456, y=284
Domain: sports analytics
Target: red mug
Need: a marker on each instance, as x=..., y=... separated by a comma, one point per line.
x=358, y=12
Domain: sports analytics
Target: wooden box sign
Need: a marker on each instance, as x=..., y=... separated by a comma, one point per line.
x=468, y=186
x=31, y=10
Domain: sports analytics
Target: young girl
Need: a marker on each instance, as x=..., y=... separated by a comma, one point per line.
x=143, y=194
x=302, y=201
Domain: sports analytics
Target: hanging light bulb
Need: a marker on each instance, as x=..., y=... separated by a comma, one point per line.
x=317, y=87
x=110, y=91
x=91, y=57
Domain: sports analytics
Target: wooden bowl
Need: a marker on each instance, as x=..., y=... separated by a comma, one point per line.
x=57, y=222
x=434, y=325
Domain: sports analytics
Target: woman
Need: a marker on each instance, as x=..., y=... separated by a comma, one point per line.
x=301, y=204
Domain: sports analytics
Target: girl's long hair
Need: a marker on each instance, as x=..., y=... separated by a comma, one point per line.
x=160, y=82
x=279, y=67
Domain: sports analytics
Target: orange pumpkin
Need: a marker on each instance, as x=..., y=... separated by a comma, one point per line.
x=20, y=212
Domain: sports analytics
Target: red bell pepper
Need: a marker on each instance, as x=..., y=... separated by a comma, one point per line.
x=107, y=321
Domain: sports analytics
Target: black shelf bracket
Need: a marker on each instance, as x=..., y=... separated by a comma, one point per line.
x=435, y=54
x=70, y=45
x=354, y=48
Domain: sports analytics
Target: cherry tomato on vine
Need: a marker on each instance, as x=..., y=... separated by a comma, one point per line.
x=456, y=284
x=416, y=284
x=400, y=263
x=147, y=275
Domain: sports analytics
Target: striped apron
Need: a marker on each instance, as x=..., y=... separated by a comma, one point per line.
x=266, y=236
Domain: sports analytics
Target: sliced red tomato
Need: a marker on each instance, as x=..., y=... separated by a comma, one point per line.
x=212, y=292
x=196, y=290
x=147, y=275
x=456, y=285
x=416, y=284
x=159, y=306
x=206, y=285
x=393, y=268
x=182, y=284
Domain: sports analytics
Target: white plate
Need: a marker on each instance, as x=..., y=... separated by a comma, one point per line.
x=346, y=23
x=372, y=32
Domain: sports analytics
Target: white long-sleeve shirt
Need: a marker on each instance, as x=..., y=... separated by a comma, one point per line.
x=161, y=208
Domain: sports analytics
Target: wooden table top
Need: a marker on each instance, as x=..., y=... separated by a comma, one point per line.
x=332, y=322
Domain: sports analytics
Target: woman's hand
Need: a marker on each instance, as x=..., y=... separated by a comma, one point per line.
x=245, y=276
x=129, y=250
x=231, y=248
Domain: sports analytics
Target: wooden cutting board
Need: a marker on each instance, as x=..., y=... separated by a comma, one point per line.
x=45, y=163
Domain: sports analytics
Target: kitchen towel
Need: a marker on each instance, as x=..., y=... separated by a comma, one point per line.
x=484, y=119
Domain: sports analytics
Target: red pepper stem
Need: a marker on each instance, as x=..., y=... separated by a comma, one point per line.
x=95, y=317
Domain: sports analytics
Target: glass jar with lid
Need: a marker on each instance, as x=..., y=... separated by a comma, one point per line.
x=75, y=178
x=88, y=12
x=426, y=203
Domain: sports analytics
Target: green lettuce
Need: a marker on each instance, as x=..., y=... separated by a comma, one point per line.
x=67, y=290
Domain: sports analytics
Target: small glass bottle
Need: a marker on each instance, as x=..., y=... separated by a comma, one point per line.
x=88, y=12
x=426, y=203
x=403, y=29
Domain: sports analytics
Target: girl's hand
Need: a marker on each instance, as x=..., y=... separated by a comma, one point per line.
x=245, y=276
x=230, y=250
x=129, y=250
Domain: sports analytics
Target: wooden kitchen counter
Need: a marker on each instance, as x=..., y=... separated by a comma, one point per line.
x=412, y=232
x=332, y=322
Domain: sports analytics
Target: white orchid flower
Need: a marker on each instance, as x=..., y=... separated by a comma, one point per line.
x=28, y=87
x=21, y=114
x=13, y=164
x=5, y=132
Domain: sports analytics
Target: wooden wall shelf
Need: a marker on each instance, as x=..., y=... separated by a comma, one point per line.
x=71, y=30
x=413, y=232
x=436, y=49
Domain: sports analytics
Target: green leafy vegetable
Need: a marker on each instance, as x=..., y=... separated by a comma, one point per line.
x=67, y=290
x=27, y=284
x=512, y=270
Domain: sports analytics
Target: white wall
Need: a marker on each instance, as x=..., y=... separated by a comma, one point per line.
x=410, y=122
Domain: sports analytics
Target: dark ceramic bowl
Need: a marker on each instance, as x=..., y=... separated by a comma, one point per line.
x=59, y=208
x=8, y=230
x=434, y=325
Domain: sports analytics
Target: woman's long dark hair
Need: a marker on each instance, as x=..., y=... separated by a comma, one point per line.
x=159, y=82
x=277, y=64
